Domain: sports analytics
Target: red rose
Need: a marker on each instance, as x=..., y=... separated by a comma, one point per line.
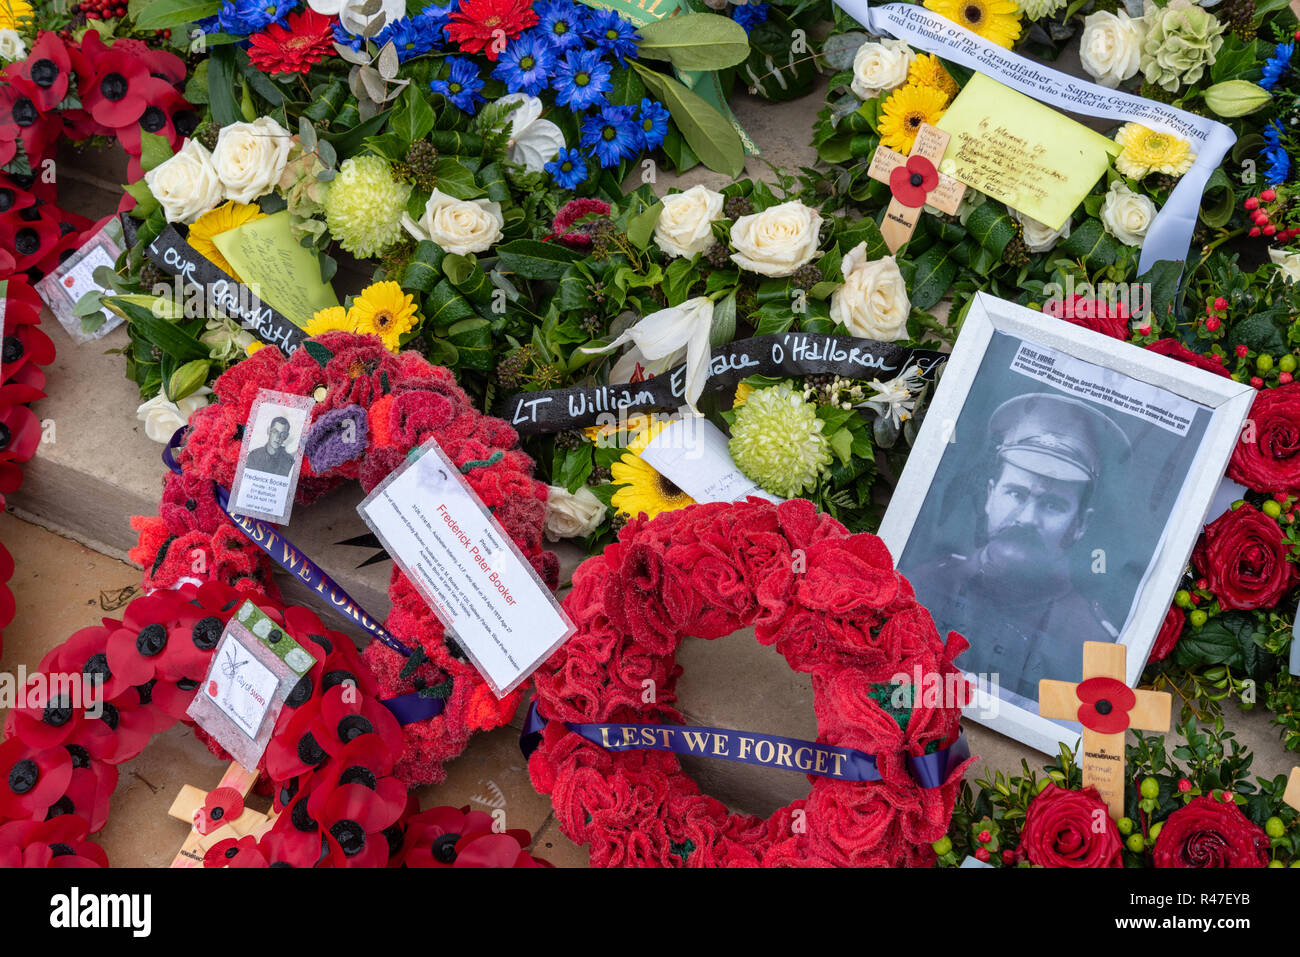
x=1210, y=833
x=1267, y=458
x=1170, y=631
x=1243, y=557
x=1070, y=829
x=1094, y=314
x=1176, y=350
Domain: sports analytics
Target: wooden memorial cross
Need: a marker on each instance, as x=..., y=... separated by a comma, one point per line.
x=1106, y=707
x=188, y=807
x=915, y=180
x=1292, y=793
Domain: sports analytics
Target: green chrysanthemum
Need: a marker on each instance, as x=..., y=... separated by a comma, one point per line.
x=1182, y=40
x=777, y=441
x=1037, y=9
x=364, y=206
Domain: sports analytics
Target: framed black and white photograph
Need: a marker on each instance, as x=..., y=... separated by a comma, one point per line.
x=271, y=456
x=1053, y=497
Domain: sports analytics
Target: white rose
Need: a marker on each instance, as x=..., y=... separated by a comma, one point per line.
x=880, y=66
x=1286, y=261
x=458, y=225
x=777, y=241
x=1126, y=215
x=162, y=417
x=11, y=46
x=533, y=141
x=1038, y=237
x=685, y=224
x=572, y=516
x=1111, y=47
x=250, y=157
x=873, y=301
x=186, y=185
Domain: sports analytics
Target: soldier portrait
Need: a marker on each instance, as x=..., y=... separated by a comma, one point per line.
x=270, y=457
x=273, y=457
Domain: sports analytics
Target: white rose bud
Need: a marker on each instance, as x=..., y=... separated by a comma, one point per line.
x=1111, y=47
x=873, y=301
x=1288, y=263
x=685, y=224
x=250, y=157
x=162, y=417
x=880, y=66
x=572, y=516
x=777, y=241
x=1126, y=215
x=459, y=226
x=1038, y=237
x=186, y=185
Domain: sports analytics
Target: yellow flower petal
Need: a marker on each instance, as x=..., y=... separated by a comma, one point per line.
x=384, y=310
x=997, y=21
x=905, y=110
x=215, y=222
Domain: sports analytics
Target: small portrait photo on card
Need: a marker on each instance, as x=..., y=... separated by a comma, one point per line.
x=271, y=456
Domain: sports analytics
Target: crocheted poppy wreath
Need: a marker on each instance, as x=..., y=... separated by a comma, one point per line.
x=834, y=606
x=330, y=765
x=390, y=403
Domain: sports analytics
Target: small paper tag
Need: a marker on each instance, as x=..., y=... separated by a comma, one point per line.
x=271, y=456
x=466, y=567
x=64, y=286
x=692, y=453
x=286, y=648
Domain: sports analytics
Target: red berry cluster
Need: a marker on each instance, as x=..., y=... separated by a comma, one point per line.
x=101, y=9
x=1215, y=313
x=1264, y=225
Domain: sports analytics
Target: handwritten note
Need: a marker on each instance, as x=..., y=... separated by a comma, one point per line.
x=282, y=273
x=693, y=454
x=1017, y=150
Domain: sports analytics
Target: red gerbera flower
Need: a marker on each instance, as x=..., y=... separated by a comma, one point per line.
x=305, y=40
x=480, y=22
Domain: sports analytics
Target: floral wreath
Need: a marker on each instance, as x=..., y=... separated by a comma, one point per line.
x=331, y=765
x=848, y=618
x=392, y=403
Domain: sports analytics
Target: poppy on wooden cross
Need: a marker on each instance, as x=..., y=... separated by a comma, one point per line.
x=914, y=180
x=1106, y=707
x=216, y=815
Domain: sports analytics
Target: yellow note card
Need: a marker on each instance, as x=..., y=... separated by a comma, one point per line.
x=265, y=255
x=1022, y=152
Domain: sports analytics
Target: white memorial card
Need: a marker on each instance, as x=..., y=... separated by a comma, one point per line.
x=693, y=454
x=63, y=287
x=466, y=567
x=240, y=686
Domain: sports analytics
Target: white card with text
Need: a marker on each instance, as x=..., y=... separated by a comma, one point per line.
x=692, y=453
x=466, y=567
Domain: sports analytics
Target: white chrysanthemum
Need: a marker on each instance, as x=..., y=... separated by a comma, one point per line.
x=777, y=441
x=364, y=206
x=1037, y=9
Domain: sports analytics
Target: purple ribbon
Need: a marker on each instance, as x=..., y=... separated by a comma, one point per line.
x=763, y=750
x=407, y=708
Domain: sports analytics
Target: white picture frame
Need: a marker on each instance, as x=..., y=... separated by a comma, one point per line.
x=1228, y=403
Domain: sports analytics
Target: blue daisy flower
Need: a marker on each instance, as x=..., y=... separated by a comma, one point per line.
x=1279, y=161
x=581, y=80
x=347, y=39
x=433, y=18
x=568, y=169
x=526, y=64
x=612, y=134
x=561, y=22
x=652, y=120
x=750, y=15
x=409, y=37
x=612, y=35
x=1276, y=66
x=462, y=84
x=242, y=17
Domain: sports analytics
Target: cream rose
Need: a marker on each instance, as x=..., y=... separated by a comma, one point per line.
x=1126, y=215
x=685, y=225
x=1110, y=48
x=880, y=66
x=777, y=241
x=1038, y=237
x=457, y=225
x=162, y=417
x=572, y=515
x=186, y=185
x=1288, y=263
x=12, y=46
x=873, y=301
x=250, y=157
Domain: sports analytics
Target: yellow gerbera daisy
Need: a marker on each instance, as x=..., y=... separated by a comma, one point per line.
x=997, y=21
x=215, y=222
x=927, y=70
x=385, y=311
x=255, y=347
x=644, y=489
x=905, y=110
x=14, y=14
x=333, y=319
x=743, y=392
x=1147, y=151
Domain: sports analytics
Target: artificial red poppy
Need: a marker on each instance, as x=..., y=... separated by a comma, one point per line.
x=234, y=852
x=89, y=791
x=477, y=23
x=23, y=123
x=30, y=234
x=162, y=64
x=20, y=431
x=346, y=714
x=451, y=837
x=294, y=48
x=911, y=182
x=45, y=70
x=354, y=819
x=58, y=842
x=12, y=196
x=31, y=779
x=1106, y=703
x=51, y=708
x=220, y=807
x=365, y=761
x=118, y=93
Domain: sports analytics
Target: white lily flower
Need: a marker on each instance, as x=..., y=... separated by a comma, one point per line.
x=665, y=334
x=895, y=399
x=534, y=142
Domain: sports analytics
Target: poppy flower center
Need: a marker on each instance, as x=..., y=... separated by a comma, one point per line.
x=444, y=848
x=25, y=112
x=145, y=691
x=6, y=199
x=916, y=179
x=58, y=714
x=61, y=850
x=27, y=241
x=110, y=717
x=217, y=813
x=114, y=87
x=186, y=684
x=44, y=73
x=359, y=775
x=230, y=851
x=353, y=726
x=31, y=214
x=12, y=350
x=23, y=776
x=350, y=835
x=151, y=640
x=309, y=752
x=153, y=119
x=185, y=122
x=300, y=693
x=5, y=436
x=80, y=756
x=96, y=668
x=60, y=807
x=206, y=633
x=301, y=819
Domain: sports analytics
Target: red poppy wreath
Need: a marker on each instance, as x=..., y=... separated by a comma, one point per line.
x=393, y=403
x=834, y=606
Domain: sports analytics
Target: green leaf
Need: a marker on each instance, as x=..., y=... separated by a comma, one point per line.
x=445, y=306
x=1090, y=243
x=642, y=226
x=168, y=337
x=455, y=180
x=841, y=443
x=991, y=227
x=1259, y=334
x=1162, y=279
x=423, y=271
x=1218, y=200
x=154, y=150
x=723, y=329
x=1228, y=639
x=493, y=181
x=628, y=90
x=571, y=467
x=413, y=120
x=695, y=41
x=473, y=341
x=456, y=143
x=221, y=86
x=864, y=231
x=145, y=202
x=167, y=14
x=936, y=268
x=468, y=277
x=536, y=260
x=707, y=132
x=320, y=353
